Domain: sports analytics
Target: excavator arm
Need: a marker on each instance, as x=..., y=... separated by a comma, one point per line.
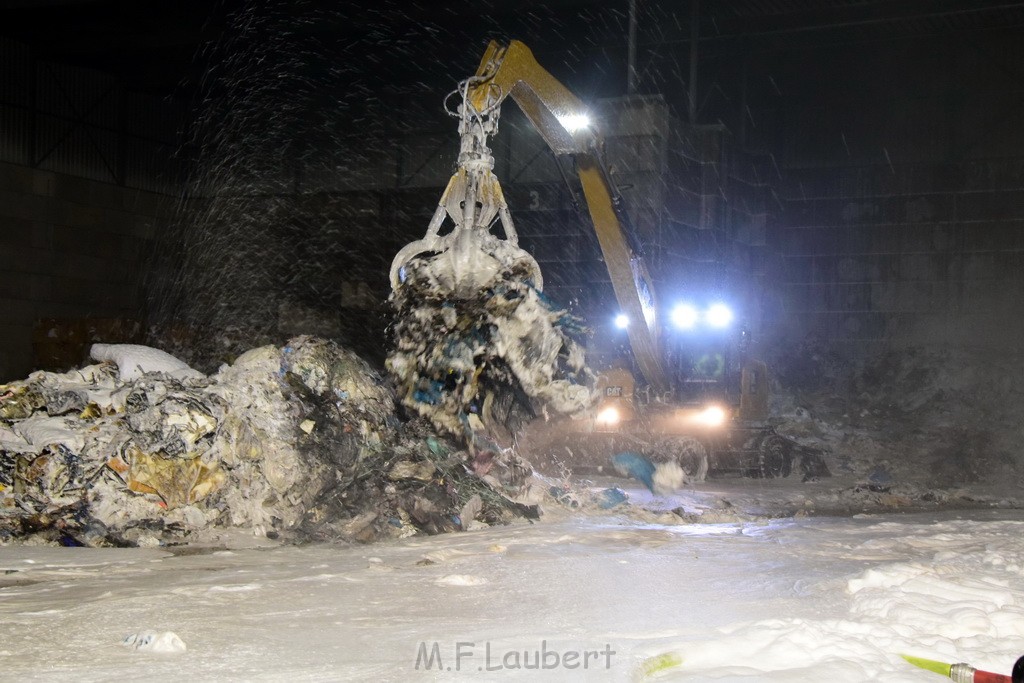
x=512, y=71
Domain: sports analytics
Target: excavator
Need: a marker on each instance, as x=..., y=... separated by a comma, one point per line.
x=472, y=262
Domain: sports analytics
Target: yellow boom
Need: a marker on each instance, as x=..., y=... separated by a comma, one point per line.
x=474, y=201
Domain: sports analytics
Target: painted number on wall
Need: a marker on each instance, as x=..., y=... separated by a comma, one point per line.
x=534, y=200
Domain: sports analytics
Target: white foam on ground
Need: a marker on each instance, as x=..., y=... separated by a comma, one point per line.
x=809, y=599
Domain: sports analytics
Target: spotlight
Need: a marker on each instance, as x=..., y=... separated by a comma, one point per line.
x=574, y=122
x=719, y=315
x=685, y=316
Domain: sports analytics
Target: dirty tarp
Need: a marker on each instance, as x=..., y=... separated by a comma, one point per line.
x=486, y=362
x=297, y=439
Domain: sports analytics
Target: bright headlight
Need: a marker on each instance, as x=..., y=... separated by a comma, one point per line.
x=712, y=416
x=719, y=315
x=685, y=316
x=621, y=321
x=608, y=416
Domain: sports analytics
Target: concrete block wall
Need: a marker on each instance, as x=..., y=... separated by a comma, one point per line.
x=70, y=248
x=897, y=211
x=882, y=256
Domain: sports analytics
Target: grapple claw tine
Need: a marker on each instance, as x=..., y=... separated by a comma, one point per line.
x=464, y=261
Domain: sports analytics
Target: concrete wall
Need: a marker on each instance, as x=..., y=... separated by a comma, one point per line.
x=899, y=190
x=924, y=254
x=72, y=235
x=70, y=248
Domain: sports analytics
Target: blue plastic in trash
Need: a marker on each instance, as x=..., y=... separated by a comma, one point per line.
x=565, y=496
x=435, y=447
x=612, y=497
x=430, y=395
x=880, y=476
x=630, y=464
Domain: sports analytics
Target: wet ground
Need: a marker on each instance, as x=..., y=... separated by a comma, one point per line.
x=797, y=599
x=736, y=498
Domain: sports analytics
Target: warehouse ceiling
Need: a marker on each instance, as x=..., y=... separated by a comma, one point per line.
x=157, y=45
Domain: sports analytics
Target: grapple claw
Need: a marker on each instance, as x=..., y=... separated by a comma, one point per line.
x=468, y=259
x=472, y=328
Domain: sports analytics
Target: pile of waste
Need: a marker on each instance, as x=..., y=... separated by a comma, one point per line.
x=484, y=361
x=299, y=441
x=924, y=418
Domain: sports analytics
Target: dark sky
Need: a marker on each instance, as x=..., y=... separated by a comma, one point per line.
x=153, y=44
x=408, y=54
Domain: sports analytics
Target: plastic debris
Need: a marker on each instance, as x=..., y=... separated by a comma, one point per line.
x=134, y=360
x=566, y=496
x=661, y=478
x=150, y=641
x=611, y=497
x=634, y=465
x=652, y=666
x=486, y=360
x=879, y=479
